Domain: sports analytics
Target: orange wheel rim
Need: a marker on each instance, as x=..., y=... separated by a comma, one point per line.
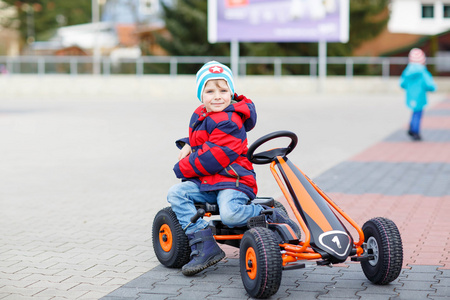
x=165, y=237
x=251, y=263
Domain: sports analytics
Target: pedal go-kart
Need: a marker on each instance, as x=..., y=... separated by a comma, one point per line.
x=268, y=248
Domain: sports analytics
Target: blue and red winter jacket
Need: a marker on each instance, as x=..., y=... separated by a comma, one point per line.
x=219, y=148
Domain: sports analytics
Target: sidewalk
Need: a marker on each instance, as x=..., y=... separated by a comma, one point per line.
x=81, y=180
x=408, y=182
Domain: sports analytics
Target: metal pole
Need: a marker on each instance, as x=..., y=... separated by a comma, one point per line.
x=96, y=47
x=73, y=66
x=107, y=66
x=235, y=57
x=139, y=67
x=41, y=66
x=243, y=70
x=385, y=68
x=349, y=68
x=277, y=67
x=322, y=64
x=313, y=67
x=173, y=66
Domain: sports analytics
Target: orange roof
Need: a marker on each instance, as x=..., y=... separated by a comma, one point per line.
x=126, y=34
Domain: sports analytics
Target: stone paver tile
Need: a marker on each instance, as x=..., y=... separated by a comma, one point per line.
x=311, y=286
x=50, y=285
x=3, y=295
x=115, y=281
x=339, y=293
x=54, y=292
x=232, y=293
x=50, y=278
x=21, y=297
x=94, y=295
x=348, y=284
x=5, y=282
x=28, y=292
x=125, y=292
x=306, y=295
x=415, y=285
x=82, y=279
x=85, y=287
x=85, y=273
x=15, y=276
x=194, y=294
x=312, y=277
x=381, y=289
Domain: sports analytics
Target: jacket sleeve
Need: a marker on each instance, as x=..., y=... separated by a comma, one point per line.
x=403, y=81
x=181, y=142
x=224, y=146
x=429, y=82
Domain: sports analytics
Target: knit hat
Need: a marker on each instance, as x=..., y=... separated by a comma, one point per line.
x=213, y=70
x=416, y=56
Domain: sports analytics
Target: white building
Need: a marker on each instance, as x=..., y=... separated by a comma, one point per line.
x=424, y=17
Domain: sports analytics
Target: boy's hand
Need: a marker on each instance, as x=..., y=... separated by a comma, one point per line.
x=185, y=151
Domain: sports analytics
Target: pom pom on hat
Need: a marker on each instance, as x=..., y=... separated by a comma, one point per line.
x=416, y=56
x=213, y=70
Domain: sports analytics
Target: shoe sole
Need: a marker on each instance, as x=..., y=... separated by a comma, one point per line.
x=198, y=269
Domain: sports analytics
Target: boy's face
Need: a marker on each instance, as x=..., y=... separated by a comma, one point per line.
x=216, y=95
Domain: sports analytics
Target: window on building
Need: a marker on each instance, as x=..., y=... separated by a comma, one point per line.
x=427, y=11
x=446, y=10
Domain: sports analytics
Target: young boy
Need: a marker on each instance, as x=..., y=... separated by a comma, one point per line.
x=213, y=164
x=417, y=81
x=214, y=167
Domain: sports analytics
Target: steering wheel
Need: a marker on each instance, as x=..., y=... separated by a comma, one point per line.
x=268, y=156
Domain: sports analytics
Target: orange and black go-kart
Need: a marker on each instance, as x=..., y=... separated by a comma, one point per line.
x=266, y=249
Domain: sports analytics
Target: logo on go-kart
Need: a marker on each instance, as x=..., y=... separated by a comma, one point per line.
x=335, y=241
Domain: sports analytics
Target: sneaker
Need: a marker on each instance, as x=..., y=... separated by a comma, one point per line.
x=279, y=216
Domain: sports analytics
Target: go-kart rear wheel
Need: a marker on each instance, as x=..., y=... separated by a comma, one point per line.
x=170, y=243
x=383, y=239
x=260, y=262
x=278, y=204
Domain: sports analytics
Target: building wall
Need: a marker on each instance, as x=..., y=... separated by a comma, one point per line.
x=406, y=17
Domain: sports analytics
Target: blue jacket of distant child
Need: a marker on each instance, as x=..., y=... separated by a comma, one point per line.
x=417, y=81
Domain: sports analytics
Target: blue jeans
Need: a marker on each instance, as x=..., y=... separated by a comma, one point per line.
x=233, y=207
x=414, y=126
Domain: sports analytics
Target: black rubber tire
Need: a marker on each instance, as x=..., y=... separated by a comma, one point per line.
x=179, y=253
x=267, y=257
x=278, y=204
x=382, y=236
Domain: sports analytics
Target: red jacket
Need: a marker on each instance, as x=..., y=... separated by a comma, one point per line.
x=219, y=148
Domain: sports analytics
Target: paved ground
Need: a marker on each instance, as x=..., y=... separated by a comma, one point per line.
x=81, y=180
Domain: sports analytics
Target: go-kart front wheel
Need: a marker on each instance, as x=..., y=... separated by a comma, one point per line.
x=260, y=262
x=384, y=241
x=170, y=243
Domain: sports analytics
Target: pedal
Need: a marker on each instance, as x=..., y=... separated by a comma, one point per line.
x=363, y=258
x=294, y=267
x=324, y=263
x=257, y=221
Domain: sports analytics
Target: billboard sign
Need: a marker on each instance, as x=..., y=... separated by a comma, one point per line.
x=278, y=20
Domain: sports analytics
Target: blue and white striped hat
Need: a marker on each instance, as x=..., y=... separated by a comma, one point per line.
x=213, y=70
